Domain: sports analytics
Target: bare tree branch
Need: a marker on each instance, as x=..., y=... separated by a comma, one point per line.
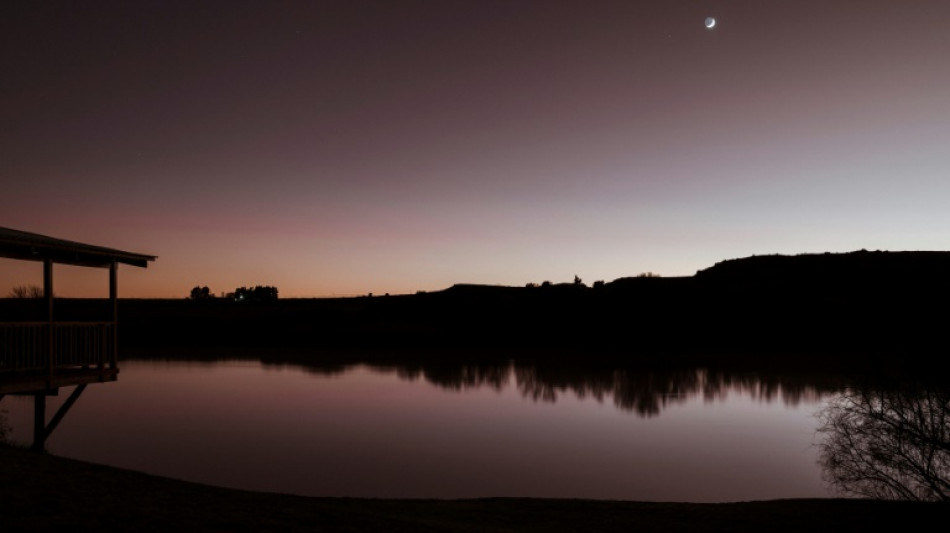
x=892, y=444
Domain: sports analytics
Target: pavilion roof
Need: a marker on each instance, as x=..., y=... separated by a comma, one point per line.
x=16, y=244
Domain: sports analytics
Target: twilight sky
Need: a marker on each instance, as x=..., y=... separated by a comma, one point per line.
x=345, y=147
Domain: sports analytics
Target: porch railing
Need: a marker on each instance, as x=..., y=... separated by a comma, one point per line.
x=25, y=346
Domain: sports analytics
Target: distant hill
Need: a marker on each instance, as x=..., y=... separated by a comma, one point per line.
x=858, y=302
x=880, y=269
x=860, y=264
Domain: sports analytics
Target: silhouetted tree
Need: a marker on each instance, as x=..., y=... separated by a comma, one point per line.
x=26, y=291
x=260, y=293
x=647, y=275
x=201, y=293
x=599, y=284
x=888, y=444
x=242, y=294
x=578, y=281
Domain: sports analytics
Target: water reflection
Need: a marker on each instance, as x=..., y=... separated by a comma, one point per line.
x=645, y=391
x=386, y=426
x=889, y=443
x=638, y=390
x=648, y=392
x=373, y=425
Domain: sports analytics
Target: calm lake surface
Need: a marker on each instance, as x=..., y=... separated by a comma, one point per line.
x=417, y=432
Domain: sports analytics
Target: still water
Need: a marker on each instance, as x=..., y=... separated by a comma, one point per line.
x=462, y=432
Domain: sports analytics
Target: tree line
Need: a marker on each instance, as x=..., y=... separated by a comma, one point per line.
x=258, y=293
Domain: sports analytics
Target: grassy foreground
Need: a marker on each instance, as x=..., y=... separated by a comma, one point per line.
x=45, y=493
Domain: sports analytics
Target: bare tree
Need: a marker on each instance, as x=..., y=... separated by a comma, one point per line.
x=892, y=444
x=26, y=291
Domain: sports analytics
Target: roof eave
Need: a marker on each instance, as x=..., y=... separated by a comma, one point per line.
x=68, y=257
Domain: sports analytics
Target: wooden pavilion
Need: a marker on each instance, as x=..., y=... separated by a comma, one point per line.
x=39, y=357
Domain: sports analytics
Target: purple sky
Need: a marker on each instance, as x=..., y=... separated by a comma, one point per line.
x=393, y=146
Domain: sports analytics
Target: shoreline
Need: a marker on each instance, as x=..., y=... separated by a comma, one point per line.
x=44, y=493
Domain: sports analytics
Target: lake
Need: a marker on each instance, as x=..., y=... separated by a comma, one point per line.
x=448, y=431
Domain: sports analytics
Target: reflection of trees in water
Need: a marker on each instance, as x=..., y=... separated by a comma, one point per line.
x=644, y=392
x=648, y=392
x=458, y=377
x=633, y=388
x=892, y=444
x=764, y=387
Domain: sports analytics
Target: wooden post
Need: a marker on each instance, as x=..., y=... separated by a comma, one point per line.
x=61, y=413
x=114, y=299
x=101, y=345
x=48, y=294
x=39, y=421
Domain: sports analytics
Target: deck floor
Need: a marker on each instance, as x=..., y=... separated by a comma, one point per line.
x=32, y=382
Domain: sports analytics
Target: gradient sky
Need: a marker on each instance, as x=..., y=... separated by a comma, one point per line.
x=340, y=148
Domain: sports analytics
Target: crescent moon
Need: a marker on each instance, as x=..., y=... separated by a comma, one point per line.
x=710, y=23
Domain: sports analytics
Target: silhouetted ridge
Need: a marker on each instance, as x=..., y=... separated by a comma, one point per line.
x=857, y=303
x=861, y=264
x=465, y=289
